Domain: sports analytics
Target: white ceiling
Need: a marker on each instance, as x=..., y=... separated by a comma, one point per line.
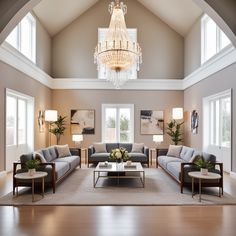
x=57, y=14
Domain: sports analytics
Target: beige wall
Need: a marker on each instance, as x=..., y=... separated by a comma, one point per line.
x=43, y=48
x=163, y=48
x=65, y=100
x=193, y=96
x=13, y=79
x=192, y=49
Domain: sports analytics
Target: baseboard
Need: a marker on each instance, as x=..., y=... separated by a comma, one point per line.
x=233, y=174
x=3, y=173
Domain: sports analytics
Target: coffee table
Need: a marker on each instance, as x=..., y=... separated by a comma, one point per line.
x=37, y=175
x=200, y=177
x=118, y=172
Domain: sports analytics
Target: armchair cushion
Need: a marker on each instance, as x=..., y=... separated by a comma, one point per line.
x=137, y=148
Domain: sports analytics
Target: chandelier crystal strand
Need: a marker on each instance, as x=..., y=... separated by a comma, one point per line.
x=118, y=53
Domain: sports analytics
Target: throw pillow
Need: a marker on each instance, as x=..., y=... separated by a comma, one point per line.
x=63, y=150
x=100, y=147
x=38, y=156
x=174, y=151
x=137, y=147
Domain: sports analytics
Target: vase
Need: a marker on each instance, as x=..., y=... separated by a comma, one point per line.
x=31, y=172
x=204, y=171
x=119, y=164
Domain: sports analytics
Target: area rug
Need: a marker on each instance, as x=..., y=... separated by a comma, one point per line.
x=77, y=189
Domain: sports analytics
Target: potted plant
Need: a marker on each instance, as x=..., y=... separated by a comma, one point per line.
x=32, y=165
x=173, y=130
x=59, y=127
x=203, y=165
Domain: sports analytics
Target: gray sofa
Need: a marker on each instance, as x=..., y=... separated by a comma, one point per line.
x=178, y=168
x=57, y=168
x=94, y=157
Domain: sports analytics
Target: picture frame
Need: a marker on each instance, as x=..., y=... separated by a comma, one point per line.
x=194, y=122
x=82, y=121
x=151, y=122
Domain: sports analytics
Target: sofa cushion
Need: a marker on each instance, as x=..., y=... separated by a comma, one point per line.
x=137, y=157
x=175, y=169
x=110, y=146
x=164, y=160
x=96, y=157
x=47, y=155
x=63, y=150
x=100, y=147
x=61, y=168
x=72, y=160
x=38, y=156
x=137, y=148
x=127, y=146
x=186, y=153
x=53, y=152
x=174, y=151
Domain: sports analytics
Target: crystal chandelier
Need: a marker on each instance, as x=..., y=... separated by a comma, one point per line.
x=118, y=53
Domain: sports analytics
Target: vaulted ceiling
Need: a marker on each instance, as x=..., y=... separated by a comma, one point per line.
x=57, y=14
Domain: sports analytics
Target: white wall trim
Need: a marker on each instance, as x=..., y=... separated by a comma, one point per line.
x=219, y=62
x=139, y=84
x=233, y=174
x=12, y=57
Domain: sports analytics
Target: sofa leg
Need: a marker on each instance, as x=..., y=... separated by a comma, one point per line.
x=181, y=188
x=53, y=187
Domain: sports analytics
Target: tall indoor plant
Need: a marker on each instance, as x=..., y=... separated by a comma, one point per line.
x=174, y=131
x=59, y=127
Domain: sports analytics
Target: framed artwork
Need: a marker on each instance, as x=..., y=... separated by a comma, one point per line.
x=152, y=122
x=194, y=122
x=41, y=121
x=82, y=121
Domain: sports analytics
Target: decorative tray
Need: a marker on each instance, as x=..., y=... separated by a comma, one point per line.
x=133, y=166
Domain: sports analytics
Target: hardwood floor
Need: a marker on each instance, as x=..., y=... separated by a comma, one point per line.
x=117, y=220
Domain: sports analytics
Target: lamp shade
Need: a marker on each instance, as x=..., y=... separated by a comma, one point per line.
x=177, y=113
x=77, y=137
x=158, y=138
x=50, y=115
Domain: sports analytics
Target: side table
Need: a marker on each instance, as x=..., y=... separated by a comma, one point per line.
x=199, y=176
x=85, y=150
x=37, y=175
x=152, y=151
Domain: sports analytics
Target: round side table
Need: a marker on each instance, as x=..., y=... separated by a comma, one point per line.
x=37, y=175
x=199, y=176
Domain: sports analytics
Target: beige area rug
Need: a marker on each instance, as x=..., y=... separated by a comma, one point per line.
x=77, y=189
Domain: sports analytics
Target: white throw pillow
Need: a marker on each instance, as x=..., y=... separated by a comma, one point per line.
x=137, y=147
x=38, y=156
x=100, y=147
x=174, y=150
x=63, y=150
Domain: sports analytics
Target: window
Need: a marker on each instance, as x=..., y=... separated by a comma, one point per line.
x=23, y=37
x=117, y=123
x=102, y=32
x=213, y=39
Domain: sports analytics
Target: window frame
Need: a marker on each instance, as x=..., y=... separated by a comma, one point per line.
x=118, y=107
x=32, y=21
x=219, y=49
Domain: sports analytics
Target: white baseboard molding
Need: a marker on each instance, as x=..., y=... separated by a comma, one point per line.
x=3, y=173
x=233, y=174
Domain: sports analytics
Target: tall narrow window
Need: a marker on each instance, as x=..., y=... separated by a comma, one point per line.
x=213, y=39
x=23, y=37
x=117, y=123
x=101, y=37
x=19, y=126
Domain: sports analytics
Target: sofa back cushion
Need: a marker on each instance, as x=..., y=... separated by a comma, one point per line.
x=110, y=146
x=99, y=147
x=24, y=158
x=174, y=151
x=53, y=152
x=137, y=147
x=186, y=153
x=127, y=146
x=47, y=155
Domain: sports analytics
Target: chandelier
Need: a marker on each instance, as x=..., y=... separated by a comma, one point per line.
x=117, y=53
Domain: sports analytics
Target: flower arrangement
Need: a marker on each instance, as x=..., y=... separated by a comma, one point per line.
x=119, y=154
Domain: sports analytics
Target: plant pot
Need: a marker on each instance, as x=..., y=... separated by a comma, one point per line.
x=31, y=172
x=204, y=171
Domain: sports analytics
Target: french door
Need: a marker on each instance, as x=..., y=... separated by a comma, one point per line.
x=217, y=127
x=19, y=137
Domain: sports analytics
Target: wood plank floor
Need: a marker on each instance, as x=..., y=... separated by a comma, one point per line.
x=118, y=220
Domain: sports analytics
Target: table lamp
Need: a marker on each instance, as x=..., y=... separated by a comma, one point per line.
x=177, y=113
x=77, y=138
x=158, y=138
